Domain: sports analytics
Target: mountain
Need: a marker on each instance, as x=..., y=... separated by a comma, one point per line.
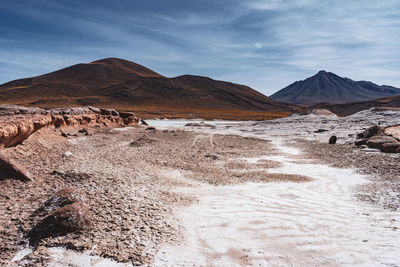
x=327, y=87
x=345, y=109
x=128, y=86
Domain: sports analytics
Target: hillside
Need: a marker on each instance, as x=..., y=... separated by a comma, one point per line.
x=346, y=109
x=327, y=87
x=128, y=86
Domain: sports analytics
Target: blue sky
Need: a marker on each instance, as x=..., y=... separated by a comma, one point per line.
x=266, y=44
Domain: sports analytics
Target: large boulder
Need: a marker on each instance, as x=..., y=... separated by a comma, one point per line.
x=378, y=141
x=70, y=218
x=393, y=131
x=390, y=147
x=64, y=197
x=9, y=168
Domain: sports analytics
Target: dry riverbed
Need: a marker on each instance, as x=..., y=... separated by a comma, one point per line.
x=221, y=194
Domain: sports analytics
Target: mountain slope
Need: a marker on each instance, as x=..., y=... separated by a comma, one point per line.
x=327, y=87
x=126, y=85
x=345, y=109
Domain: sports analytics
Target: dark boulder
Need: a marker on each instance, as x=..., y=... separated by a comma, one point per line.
x=390, y=147
x=332, y=140
x=70, y=218
x=371, y=131
x=378, y=141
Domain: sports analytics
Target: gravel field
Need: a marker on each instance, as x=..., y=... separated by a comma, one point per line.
x=220, y=193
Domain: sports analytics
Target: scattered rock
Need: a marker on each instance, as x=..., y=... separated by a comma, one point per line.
x=151, y=128
x=84, y=131
x=9, y=168
x=141, y=141
x=211, y=156
x=64, y=134
x=332, y=140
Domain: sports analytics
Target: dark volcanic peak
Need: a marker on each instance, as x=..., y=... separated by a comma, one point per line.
x=120, y=83
x=327, y=87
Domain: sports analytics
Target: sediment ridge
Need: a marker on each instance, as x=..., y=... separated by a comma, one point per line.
x=17, y=123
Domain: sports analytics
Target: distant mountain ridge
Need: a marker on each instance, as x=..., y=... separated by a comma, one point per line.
x=122, y=84
x=345, y=109
x=327, y=87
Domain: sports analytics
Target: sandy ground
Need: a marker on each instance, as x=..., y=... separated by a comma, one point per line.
x=224, y=194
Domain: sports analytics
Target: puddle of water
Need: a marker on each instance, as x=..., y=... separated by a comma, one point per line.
x=301, y=224
x=181, y=123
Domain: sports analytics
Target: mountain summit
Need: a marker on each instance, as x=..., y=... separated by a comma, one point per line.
x=327, y=87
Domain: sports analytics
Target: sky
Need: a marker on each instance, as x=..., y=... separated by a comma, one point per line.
x=265, y=44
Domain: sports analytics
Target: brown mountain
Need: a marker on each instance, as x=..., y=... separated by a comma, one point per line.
x=127, y=86
x=346, y=109
x=327, y=87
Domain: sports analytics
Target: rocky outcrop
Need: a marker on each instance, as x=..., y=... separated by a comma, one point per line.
x=384, y=138
x=393, y=131
x=323, y=112
x=9, y=168
x=18, y=123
